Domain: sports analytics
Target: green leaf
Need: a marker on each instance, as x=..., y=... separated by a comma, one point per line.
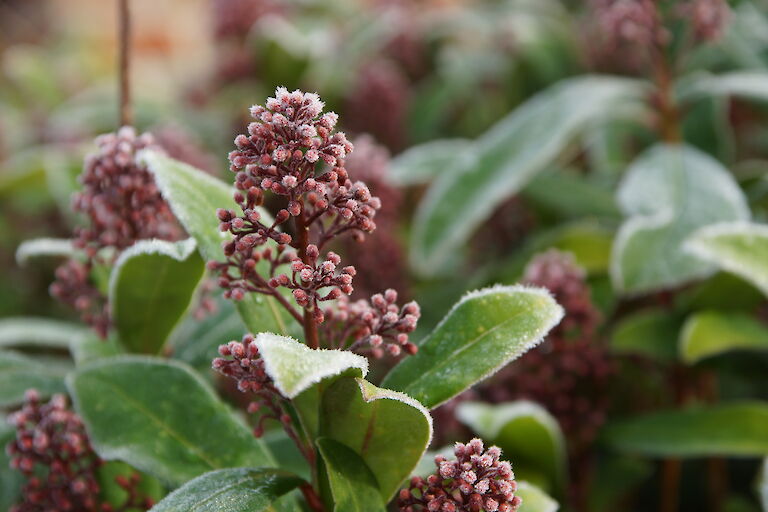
x=668, y=193
x=294, y=367
x=11, y=480
x=737, y=429
x=526, y=433
x=763, y=485
x=651, y=333
x=738, y=247
x=194, y=197
x=571, y=196
x=710, y=333
x=507, y=157
x=19, y=373
x=39, y=247
x=534, y=499
x=353, y=486
x=425, y=162
x=751, y=84
x=230, y=490
x=39, y=332
x=91, y=347
x=150, y=288
x=160, y=417
x=388, y=430
x=483, y=332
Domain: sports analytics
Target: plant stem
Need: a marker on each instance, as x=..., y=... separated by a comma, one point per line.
x=670, y=485
x=124, y=62
x=669, y=114
x=311, y=337
x=312, y=499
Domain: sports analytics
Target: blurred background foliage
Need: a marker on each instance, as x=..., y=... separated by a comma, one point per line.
x=515, y=127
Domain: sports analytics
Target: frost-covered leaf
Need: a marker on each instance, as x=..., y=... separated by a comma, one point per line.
x=19, y=373
x=39, y=332
x=230, y=490
x=389, y=430
x=763, y=485
x=194, y=197
x=483, y=332
x=91, y=347
x=527, y=434
x=534, y=499
x=507, y=157
x=738, y=247
x=294, y=367
x=668, y=193
x=736, y=429
x=425, y=162
x=710, y=333
x=751, y=84
x=39, y=247
x=162, y=418
x=352, y=485
x=150, y=288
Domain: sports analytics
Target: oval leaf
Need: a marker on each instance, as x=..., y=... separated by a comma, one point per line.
x=388, y=430
x=39, y=332
x=710, y=333
x=534, y=499
x=19, y=373
x=506, y=158
x=526, y=433
x=160, y=417
x=151, y=286
x=294, y=367
x=668, y=193
x=353, y=486
x=194, y=197
x=54, y=247
x=723, y=430
x=483, y=332
x=230, y=490
x=738, y=247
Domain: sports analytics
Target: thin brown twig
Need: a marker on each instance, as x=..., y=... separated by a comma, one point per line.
x=124, y=62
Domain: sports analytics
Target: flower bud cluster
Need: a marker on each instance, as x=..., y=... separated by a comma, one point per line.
x=52, y=451
x=707, y=18
x=378, y=325
x=477, y=481
x=245, y=365
x=316, y=281
x=570, y=373
x=122, y=204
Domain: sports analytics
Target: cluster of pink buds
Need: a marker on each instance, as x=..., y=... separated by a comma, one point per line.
x=377, y=325
x=707, y=18
x=477, y=481
x=122, y=204
x=52, y=451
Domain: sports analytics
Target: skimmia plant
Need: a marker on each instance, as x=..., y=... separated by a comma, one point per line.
x=323, y=435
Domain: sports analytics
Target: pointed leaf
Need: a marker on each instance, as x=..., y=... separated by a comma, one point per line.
x=425, y=162
x=353, y=486
x=534, y=499
x=737, y=429
x=746, y=84
x=38, y=247
x=483, y=332
x=738, y=247
x=39, y=332
x=389, y=430
x=19, y=373
x=668, y=193
x=160, y=417
x=507, y=157
x=294, y=367
x=194, y=197
x=151, y=286
x=710, y=333
x=526, y=433
x=230, y=490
